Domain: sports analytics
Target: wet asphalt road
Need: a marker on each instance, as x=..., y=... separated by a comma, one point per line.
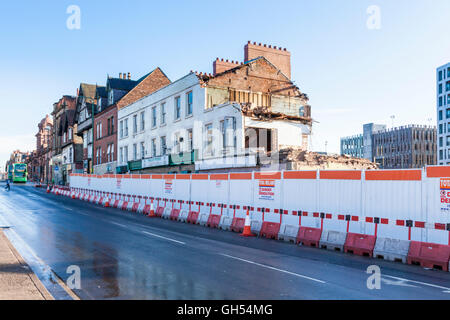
x=125, y=255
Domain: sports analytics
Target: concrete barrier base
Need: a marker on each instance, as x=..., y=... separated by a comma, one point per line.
x=333, y=240
x=391, y=249
x=166, y=213
x=225, y=223
x=255, y=226
x=203, y=219
x=288, y=233
x=183, y=216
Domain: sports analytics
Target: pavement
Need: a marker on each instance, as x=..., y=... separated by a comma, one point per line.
x=123, y=255
x=17, y=280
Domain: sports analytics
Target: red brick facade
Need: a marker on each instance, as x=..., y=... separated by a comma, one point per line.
x=107, y=137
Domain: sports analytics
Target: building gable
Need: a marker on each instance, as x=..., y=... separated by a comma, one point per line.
x=154, y=81
x=257, y=75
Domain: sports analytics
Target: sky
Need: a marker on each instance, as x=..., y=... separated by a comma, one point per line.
x=352, y=74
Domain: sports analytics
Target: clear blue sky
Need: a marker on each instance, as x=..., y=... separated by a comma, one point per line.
x=352, y=75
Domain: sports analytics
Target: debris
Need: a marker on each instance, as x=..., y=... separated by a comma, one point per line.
x=301, y=159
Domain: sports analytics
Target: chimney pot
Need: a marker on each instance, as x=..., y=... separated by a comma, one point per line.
x=129, y=75
x=120, y=75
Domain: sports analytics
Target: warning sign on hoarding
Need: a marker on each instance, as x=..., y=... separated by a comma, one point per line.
x=445, y=194
x=267, y=189
x=119, y=183
x=89, y=181
x=168, y=186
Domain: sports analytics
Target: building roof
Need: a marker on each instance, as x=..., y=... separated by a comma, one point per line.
x=101, y=92
x=121, y=84
x=88, y=90
x=146, y=85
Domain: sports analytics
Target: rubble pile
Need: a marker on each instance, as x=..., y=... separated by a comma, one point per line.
x=301, y=160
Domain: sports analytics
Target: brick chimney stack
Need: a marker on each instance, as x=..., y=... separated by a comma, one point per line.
x=279, y=57
x=222, y=65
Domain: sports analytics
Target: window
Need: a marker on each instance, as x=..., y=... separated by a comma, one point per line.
x=121, y=129
x=112, y=152
x=177, y=108
x=134, y=124
x=163, y=146
x=189, y=101
x=440, y=115
x=126, y=129
x=99, y=130
x=447, y=113
x=440, y=75
x=99, y=155
x=440, y=141
x=121, y=155
x=209, y=139
x=163, y=113
x=153, y=147
x=142, y=121
x=125, y=151
x=70, y=133
x=177, y=143
x=142, y=150
x=153, y=117
x=190, y=144
x=448, y=141
x=228, y=127
x=108, y=153
x=112, y=125
x=108, y=127
x=447, y=86
x=135, y=151
x=440, y=101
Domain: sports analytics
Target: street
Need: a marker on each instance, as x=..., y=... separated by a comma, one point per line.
x=123, y=255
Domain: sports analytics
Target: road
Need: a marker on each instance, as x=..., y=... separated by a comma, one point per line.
x=124, y=255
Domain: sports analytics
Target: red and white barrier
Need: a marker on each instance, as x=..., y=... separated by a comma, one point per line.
x=375, y=213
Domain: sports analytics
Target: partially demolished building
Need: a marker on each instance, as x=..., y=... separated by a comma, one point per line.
x=237, y=118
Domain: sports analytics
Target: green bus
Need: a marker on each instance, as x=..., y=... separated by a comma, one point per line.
x=20, y=172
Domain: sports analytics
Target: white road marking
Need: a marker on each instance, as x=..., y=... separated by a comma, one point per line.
x=447, y=290
x=400, y=283
x=272, y=268
x=158, y=236
x=119, y=224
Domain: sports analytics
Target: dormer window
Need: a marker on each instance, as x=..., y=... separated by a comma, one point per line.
x=111, y=97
